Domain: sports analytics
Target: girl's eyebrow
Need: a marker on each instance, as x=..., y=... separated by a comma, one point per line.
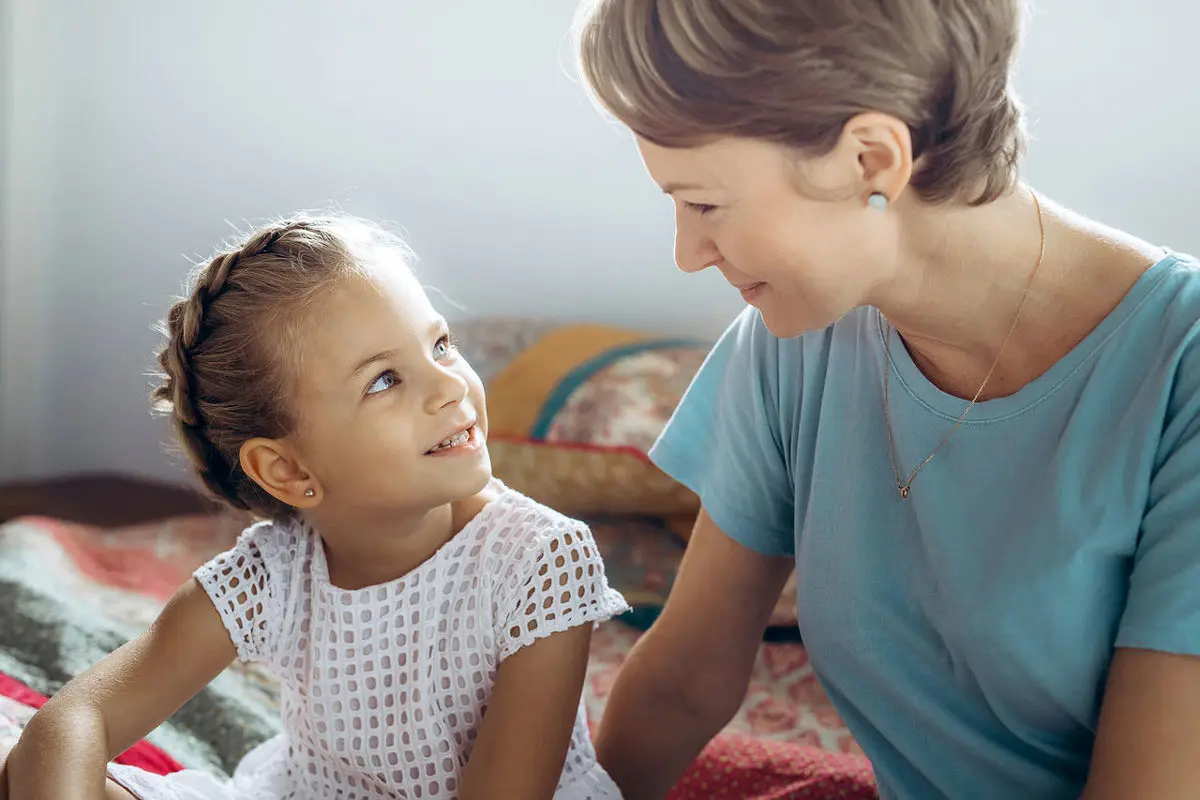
x=436, y=327
x=366, y=362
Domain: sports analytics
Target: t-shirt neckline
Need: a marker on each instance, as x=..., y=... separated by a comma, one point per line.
x=906, y=373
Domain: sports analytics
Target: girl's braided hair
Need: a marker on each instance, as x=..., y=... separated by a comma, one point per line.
x=233, y=346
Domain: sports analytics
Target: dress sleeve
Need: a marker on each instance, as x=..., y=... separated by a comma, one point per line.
x=560, y=584
x=725, y=440
x=239, y=585
x=1162, y=610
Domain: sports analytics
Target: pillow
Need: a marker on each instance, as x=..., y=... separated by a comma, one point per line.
x=736, y=767
x=574, y=408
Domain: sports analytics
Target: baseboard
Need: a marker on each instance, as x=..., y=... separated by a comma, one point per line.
x=106, y=500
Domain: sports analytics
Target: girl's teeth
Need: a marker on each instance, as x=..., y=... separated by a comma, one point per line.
x=453, y=441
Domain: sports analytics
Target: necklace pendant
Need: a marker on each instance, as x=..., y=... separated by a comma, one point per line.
x=903, y=491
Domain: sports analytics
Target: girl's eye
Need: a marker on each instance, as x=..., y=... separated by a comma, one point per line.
x=384, y=382
x=444, y=346
x=700, y=208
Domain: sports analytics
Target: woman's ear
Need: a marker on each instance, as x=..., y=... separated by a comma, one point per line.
x=881, y=147
x=274, y=466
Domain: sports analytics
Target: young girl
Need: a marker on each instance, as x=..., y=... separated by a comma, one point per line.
x=429, y=626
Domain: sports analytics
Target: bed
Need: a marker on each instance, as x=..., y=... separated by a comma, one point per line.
x=85, y=564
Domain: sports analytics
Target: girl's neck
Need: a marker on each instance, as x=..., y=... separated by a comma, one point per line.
x=366, y=550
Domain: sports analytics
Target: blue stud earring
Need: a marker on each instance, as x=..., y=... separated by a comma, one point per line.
x=878, y=201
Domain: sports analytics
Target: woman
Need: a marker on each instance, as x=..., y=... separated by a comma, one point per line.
x=967, y=416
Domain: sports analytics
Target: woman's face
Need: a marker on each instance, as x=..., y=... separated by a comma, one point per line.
x=803, y=262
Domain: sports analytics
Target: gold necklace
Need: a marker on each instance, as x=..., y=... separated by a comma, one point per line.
x=904, y=486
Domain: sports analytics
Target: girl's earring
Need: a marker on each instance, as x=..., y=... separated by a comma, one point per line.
x=878, y=201
x=310, y=492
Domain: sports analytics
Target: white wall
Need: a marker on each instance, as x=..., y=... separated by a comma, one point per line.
x=140, y=126
x=29, y=136
x=6, y=108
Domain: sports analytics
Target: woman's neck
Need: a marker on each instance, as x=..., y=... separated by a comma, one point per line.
x=963, y=272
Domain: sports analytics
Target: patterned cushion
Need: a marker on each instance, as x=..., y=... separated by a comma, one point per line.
x=573, y=409
x=736, y=767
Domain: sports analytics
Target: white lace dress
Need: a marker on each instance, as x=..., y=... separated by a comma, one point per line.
x=383, y=688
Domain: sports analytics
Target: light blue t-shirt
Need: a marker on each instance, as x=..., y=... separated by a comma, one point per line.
x=964, y=634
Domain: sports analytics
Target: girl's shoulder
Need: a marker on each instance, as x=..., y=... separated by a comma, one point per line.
x=270, y=546
x=518, y=531
x=515, y=519
x=250, y=584
x=547, y=573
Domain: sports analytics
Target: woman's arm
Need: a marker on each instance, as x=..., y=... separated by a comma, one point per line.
x=1148, y=735
x=1148, y=741
x=687, y=676
x=65, y=749
x=526, y=731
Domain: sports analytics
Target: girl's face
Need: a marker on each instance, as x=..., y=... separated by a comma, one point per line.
x=802, y=262
x=390, y=416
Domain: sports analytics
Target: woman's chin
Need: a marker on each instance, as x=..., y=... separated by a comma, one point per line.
x=788, y=323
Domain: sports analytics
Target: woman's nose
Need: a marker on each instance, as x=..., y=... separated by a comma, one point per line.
x=694, y=249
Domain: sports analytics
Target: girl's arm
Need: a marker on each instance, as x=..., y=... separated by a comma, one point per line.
x=65, y=749
x=526, y=731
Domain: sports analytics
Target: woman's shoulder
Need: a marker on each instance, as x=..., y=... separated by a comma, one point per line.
x=1163, y=313
x=1177, y=279
x=1168, y=321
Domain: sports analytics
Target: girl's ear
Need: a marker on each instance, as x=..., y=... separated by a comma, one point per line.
x=273, y=465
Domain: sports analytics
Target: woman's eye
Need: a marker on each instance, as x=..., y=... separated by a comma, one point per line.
x=700, y=208
x=384, y=382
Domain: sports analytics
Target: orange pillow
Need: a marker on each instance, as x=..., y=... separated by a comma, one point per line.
x=574, y=408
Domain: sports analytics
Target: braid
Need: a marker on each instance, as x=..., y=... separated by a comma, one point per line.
x=187, y=328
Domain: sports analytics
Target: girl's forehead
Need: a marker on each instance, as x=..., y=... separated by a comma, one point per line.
x=385, y=309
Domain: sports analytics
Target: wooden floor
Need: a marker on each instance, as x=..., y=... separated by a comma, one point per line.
x=106, y=500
